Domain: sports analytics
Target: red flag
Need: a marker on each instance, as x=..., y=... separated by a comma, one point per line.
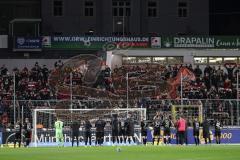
x=187, y=76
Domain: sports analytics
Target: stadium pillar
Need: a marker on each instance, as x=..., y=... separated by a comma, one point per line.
x=181, y=90
x=22, y=117
x=14, y=98
x=71, y=94
x=35, y=127
x=127, y=88
x=123, y=25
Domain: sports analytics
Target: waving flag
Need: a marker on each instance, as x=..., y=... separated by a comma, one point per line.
x=187, y=76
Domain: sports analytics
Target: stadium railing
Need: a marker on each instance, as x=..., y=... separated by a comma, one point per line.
x=227, y=110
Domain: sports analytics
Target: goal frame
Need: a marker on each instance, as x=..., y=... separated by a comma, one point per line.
x=200, y=111
x=34, y=132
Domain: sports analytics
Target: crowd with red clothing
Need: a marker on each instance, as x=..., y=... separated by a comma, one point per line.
x=144, y=81
x=210, y=83
x=30, y=84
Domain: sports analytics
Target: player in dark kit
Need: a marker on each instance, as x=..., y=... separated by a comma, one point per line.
x=144, y=132
x=122, y=132
x=129, y=126
x=27, y=127
x=167, y=123
x=196, y=128
x=115, y=129
x=157, y=127
x=75, y=132
x=18, y=134
x=177, y=133
x=100, y=124
x=88, y=133
x=206, y=132
x=218, y=127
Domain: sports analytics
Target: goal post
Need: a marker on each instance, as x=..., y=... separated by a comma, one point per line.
x=188, y=111
x=43, y=121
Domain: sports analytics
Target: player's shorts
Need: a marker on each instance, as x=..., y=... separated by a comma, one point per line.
x=144, y=132
x=75, y=134
x=122, y=132
x=156, y=132
x=27, y=134
x=17, y=135
x=59, y=134
x=217, y=133
x=167, y=132
x=87, y=134
x=206, y=135
x=115, y=133
x=99, y=135
x=129, y=132
x=196, y=133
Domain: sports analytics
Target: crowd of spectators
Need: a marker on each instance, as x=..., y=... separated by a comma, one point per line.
x=145, y=83
x=210, y=83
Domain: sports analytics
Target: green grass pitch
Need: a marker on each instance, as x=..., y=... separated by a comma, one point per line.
x=223, y=152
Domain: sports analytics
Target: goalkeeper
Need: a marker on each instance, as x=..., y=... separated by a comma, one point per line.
x=59, y=132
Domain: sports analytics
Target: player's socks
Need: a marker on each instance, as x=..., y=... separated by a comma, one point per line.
x=165, y=140
x=129, y=140
x=198, y=141
x=169, y=140
x=153, y=140
x=144, y=141
x=158, y=141
x=134, y=141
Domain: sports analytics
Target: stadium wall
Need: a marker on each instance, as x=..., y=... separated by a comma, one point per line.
x=3, y=41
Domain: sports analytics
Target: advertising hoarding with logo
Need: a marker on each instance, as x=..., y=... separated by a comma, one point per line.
x=27, y=44
x=47, y=138
x=200, y=42
x=123, y=43
x=94, y=43
x=228, y=136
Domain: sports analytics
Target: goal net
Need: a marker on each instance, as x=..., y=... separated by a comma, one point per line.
x=188, y=111
x=44, y=119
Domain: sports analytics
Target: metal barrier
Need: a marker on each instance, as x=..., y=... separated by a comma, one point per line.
x=226, y=110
